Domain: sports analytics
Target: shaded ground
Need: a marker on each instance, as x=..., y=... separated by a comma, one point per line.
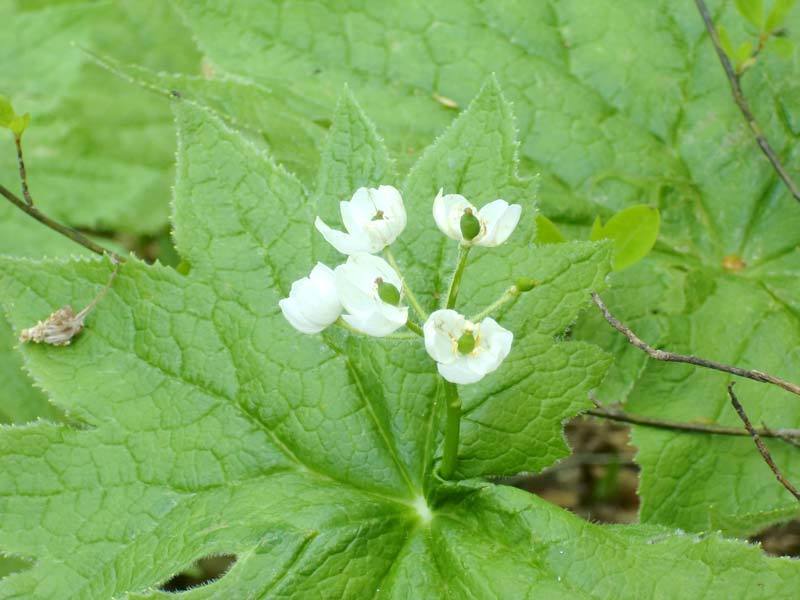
x=599, y=480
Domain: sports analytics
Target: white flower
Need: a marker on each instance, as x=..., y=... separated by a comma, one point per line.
x=370, y=291
x=461, y=221
x=465, y=351
x=373, y=219
x=312, y=304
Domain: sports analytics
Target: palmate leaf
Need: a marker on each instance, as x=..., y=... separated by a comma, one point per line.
x=618, y=103
x=211, y=426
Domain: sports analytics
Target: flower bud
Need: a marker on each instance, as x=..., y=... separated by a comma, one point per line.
x=388, y=292
x=470, y=225
x=525, y=284
x=466, y=343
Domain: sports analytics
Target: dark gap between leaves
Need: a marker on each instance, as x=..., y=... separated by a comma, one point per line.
x=599, y=480
x=202, y=572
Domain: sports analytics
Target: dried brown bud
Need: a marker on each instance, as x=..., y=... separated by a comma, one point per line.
x=58, y=329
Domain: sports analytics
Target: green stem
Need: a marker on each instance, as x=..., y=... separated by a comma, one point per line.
x=409, y=293
x=452, y=430
x=509, y=295
x=455, y=283
x=414, y=327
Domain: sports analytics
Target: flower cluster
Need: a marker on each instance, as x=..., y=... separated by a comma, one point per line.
x=367, y=294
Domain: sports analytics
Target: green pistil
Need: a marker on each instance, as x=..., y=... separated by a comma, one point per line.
x=470, y=226
x=466, y=343
x=387, y=292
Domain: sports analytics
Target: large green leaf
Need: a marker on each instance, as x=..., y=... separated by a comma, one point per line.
x=618, y=103
x=211, y=426
x=99, y=151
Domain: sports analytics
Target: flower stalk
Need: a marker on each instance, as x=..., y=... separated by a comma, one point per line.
x=458, y=274
x=412, y=298
x=452, y=430
x=414, y=327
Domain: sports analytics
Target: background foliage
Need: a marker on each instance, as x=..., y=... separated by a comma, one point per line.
x=616, y=104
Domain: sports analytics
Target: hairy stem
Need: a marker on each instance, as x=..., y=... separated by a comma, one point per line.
x=510, y=295
x=409, y=293
x=458, y=274
x=68, y=232
x=452, y=430
x=414, y=327
x=635, y=340
x=744, y=106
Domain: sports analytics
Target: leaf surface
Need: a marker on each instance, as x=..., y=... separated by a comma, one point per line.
x=211, y=426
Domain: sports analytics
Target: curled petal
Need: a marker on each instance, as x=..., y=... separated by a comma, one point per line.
x=312, y=304
x=447, y=212
x=499, y=220
x=442, y=331
x=358, y=292
x=459, y=372
x=344, y=242
x=373, y=218
x=378, y=323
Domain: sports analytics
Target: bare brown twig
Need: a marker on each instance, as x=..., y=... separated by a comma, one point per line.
x=744, y=106
x=762, y=448
x=689, y=359
x=791, y=436
x=68, y=232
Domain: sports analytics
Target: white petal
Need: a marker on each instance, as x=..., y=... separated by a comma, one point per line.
x=494, y=344
x=354, y=288
x=391, y=203
x=459, y=372
x=351, y=223
x=381, y=233
x=343, y=242
x=291, y=311
x=328, y=306
x=442, y=330
x=376, y=323
x=362, y=206
x=388, y=200
x=393, y=314
x=500, y=220
x=440, y=213
x=312, y=304
x=447, y=212
x=358, y=293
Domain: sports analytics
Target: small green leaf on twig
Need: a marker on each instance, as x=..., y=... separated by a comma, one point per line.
x=777, y=16
x=753, y=11
x=10, y=119
x=634, y=232
x=725, y=40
